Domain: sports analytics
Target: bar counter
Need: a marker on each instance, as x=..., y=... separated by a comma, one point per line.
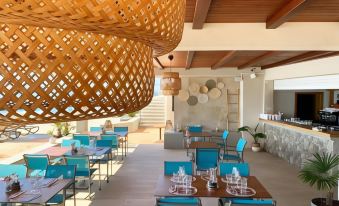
x=297, y=143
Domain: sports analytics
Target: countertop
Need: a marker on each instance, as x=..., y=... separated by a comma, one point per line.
x=302, y=128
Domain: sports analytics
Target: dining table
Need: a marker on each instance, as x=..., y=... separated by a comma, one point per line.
x=93, y=152
x=29, y=194
x=204, y=134
x=164, y=184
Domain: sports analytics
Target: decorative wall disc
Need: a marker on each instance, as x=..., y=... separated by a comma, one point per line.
x=214, y=93
x=220, y=85
x=53, y=75
x=211, y=84
x=202, y=98
x=203, y=89
x=158, y=23
x=194, y=88
x=183, y=95
x=192, y=100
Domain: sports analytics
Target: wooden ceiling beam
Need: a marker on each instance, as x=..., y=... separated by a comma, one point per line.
x=286, y=12
x=224, y=60
x=257, y=59
x=189, y=59
x=200, y=13
x=299, y=58
x=159, y=63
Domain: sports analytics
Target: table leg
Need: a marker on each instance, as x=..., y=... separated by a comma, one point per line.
x=108, y=159
x=99, y=175
x=126, y=144
x=160, y=133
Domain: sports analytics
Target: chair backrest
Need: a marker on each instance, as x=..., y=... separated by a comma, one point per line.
x=36, y=161
x=241, y=145
x=195, y=128
x=69, y=142
x=238, y=201
x=206, y=158
x=112, y=137
x=55, y=171
x=173, y=166
x=81, y=163
x=226, y=168
x=95, y=129
x=103, y=143
x=83, y=138
x=6, y=170
x=120, y=129
x=225, y=135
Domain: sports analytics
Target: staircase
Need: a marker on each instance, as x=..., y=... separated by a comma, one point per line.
x=154, y=113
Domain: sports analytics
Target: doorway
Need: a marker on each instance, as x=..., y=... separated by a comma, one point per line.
x=307, y=105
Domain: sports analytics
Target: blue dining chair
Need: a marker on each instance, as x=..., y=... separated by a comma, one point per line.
x=36, y=164
x=237, y=201
x=227, y=167
x=69, y=142
x=67, y=172
x=120, y=129
x=6, y=170
x=105, y=159
x=125, y=139
x=239, y=152
x=171, y=167
x=83, y=138
x=195, y=128
x=223, y=144
x=206, y=158
x=95, y=129
x=83, y=169
x=114, y=141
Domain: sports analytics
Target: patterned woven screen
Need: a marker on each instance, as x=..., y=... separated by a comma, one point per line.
x=52, y=75
x=158, y=23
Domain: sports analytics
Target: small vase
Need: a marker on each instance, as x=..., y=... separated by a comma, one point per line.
x=256, y=147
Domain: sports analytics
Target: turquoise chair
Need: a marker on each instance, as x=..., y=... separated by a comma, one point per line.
x=206, y=158
x=171, y=167
x=106, y=159
x=236, y=201
x=36, y=164
x=6, y=170
x=120, y=129
x=67, y=172
x=195, y=128
x=239, y=152
x=114, y=141
x=83, y=169
x=83, y=138
x=69, y=142
x=95, y=129
x=223, y=144
x=227, y=167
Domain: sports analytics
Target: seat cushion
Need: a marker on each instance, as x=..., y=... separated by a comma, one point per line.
x=230, y=157
x=178, y=200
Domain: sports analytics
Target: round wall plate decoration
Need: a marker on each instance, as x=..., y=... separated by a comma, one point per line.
x=214, y=93
x=220, y=85
x=203, y=89
x=202, y=98
x=210, y=84
x=192, y=100
x=183, y=95
x=194, y=88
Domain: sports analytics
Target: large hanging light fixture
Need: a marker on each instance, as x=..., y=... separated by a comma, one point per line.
x=158, y=23
x=170, y=81
x=51, y=75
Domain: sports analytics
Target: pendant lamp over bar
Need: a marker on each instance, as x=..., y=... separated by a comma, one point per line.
x=52, y=75
x=170, y=81
x=157, y=23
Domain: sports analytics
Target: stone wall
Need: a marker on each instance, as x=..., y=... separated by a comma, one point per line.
x=293, y=146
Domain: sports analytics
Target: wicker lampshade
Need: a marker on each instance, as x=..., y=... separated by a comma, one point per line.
x=52, y=75
x=157, y=23
x=170, y=83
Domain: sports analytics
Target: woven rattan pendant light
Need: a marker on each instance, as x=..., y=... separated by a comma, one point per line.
x=52, y=75
x=170, y=81
x=158, y=23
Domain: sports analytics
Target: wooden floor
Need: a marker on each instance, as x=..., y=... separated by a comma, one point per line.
x=134, y=183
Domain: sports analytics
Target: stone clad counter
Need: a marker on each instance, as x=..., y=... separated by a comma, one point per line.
x=296, y=143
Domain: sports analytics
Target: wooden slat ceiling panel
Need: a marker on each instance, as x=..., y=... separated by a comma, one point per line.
x=251, y=11
x=241, y=57
x=206, y=58
x=178, y=61
x=279, y=56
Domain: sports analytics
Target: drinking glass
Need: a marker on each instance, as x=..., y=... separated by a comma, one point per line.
x=243, y=184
